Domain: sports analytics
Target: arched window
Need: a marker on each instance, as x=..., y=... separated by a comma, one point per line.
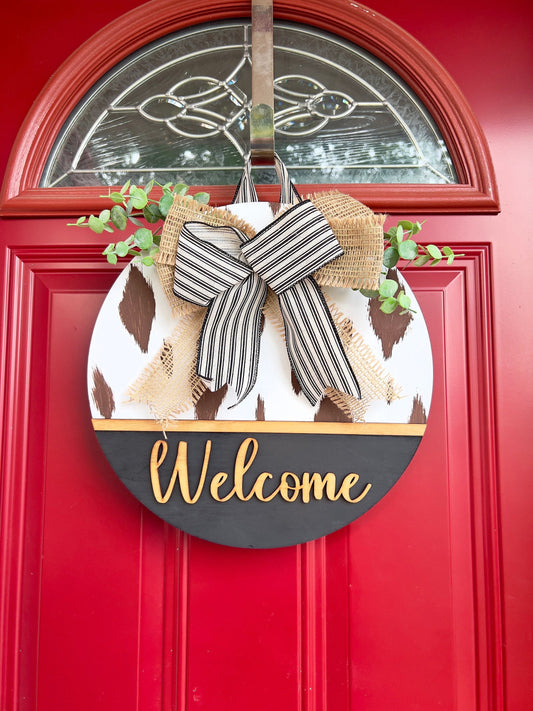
x=358, y=104
x=177, y=110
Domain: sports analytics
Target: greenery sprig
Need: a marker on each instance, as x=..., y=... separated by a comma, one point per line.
x=131, y=204
x=400, y=245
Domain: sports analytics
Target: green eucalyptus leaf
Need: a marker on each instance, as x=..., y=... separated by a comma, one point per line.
x=434, y=251
x=406, y=225
x=124, y=188
x=165, y=203
x=180, y=189
x=117, y=197
x=421, y=260
x=408, y=249
x=121, y=249
x=389, y=305
x=202, y=198
x=112, y=258
x=435, y=261
x=148, y=188
x=448, y=252
x=404, y=300
x=416, y=228
x=139, y=198
x=110, y=248
x=135, y=221
x=399, y=233
x=147, y=261
x=108, y=228
x=388, y=288
x=143, y=238
x=119, y=217
x=151, y=213
x=81, y=220
x=96, y=224
x=104, y=215
x=390, y=257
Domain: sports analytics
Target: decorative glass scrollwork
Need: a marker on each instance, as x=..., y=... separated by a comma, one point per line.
x=179, y=109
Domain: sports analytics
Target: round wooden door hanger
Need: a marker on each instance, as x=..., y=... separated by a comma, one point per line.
x=274, y=469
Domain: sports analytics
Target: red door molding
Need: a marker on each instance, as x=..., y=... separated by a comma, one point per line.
x=475, y=193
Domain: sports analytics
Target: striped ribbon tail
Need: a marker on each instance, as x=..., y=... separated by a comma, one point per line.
x=207, y=275
x=285, y=254
x=315, y=350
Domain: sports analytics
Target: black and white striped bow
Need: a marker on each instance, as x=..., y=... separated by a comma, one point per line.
x=220, y=268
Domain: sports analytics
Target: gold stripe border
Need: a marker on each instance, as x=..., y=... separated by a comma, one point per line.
x=252, y=426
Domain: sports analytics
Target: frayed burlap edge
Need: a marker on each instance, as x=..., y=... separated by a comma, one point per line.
x=169, y=384
x=373, y=378
x=360, y=234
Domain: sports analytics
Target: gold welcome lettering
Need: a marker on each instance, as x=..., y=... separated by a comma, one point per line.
x=291, y=488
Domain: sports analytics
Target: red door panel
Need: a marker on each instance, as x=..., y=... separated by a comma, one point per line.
x=119, y=608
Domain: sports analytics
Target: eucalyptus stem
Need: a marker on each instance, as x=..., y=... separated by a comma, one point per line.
x=131, y=205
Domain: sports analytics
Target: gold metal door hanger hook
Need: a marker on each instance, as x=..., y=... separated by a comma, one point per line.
x=262, y=112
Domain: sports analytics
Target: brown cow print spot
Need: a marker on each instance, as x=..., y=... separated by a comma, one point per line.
x=389, y=328
x=209, y=403
x=329, y=412
x=260, y=409
x=102, y=395
x=137, y=308
x=295, y=384
x=418, y=413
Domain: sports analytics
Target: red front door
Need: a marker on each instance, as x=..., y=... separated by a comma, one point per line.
x=421, y=604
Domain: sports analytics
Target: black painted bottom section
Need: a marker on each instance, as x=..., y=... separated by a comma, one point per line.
x=379, y=460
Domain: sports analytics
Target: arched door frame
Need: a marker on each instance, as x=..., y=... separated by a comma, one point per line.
x=475, y=193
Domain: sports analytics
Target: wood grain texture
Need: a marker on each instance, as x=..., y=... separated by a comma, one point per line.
x=250, y=426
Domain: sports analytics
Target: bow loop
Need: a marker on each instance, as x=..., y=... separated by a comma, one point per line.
x=208, y=274
x=205, y=266
x=292, y=247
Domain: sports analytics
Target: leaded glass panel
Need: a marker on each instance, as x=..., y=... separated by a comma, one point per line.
x=177, y=110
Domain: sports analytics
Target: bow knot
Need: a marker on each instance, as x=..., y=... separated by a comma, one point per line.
x=219, y=267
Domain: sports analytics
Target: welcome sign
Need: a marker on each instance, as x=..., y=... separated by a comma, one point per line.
x=273, y=468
